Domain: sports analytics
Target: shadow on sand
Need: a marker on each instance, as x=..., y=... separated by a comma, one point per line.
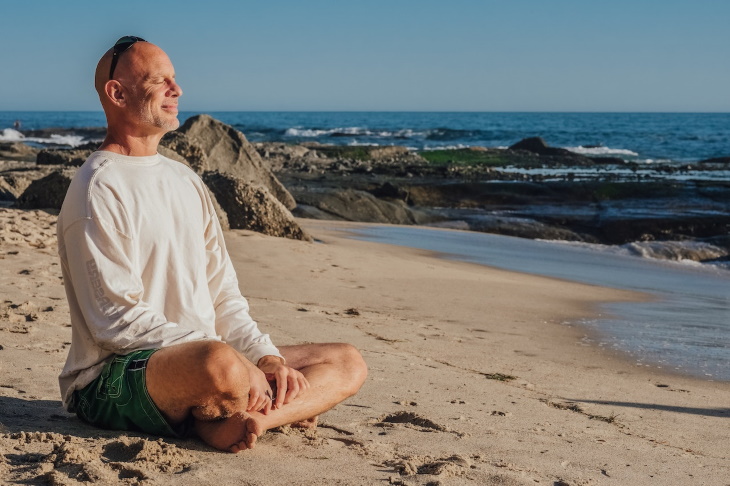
x=707, y=412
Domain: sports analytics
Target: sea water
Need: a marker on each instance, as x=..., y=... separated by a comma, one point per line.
x=685, y=326
x=642, y=137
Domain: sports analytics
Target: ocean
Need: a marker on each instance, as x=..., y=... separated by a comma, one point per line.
x=686, y=328
x=642, y=137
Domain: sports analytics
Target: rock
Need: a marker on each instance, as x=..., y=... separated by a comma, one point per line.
x=391, y=152
x=279, y=149
x=226, y=151
x=17, y=151
x=47, y=192
x=12, y=186
x=187, y=150
x=716, y=160
x=7, y=192
x=252, y=207
x=538, y=146
x=354, y=205
x=525, y=228
x=67, y=157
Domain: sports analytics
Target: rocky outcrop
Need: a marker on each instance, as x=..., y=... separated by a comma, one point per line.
x=252, y=207
x=353, y=205
x=68, y=157
x=215, y=146
x=47, y=192
x=17, y=151
x=13, y=184
x=722, y=161
x=559, y=156
x=537, y=145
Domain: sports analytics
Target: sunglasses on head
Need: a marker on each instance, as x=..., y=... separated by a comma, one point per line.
x=122, y=45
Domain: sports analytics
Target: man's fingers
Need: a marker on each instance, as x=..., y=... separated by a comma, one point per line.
x=293, y=390
x=253, y=397
x=281, y=389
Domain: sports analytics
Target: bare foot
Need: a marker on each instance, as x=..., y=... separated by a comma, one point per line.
x=234, y=434
x=310, y=423
x=250, y=431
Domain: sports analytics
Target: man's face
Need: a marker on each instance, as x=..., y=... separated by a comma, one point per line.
x=152, y=102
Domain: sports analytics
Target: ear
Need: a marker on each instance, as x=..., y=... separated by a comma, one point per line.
x=115, y=92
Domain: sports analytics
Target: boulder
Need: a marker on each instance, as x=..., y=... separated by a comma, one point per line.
x=185, y=150
x=226, y=151
x=354, y=205
x=17, y=151
x=252, y=207
x=67, y=157
x=537, y=145
x=7, y=192
x=46, y=192
x=13, y=184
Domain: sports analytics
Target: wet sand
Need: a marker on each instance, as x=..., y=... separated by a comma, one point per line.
x=477, y=376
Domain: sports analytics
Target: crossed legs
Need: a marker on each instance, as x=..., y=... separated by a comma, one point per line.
x=208, y=380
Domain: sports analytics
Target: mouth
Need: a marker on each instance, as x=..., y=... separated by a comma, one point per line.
x=170, y=108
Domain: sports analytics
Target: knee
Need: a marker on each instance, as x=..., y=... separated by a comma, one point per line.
x=352, y=361
x=222, y=369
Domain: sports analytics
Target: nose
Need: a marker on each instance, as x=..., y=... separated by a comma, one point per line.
x=175, y=89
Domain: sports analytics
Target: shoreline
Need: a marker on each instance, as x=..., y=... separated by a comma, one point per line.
x=473, y=377
x=638, y=331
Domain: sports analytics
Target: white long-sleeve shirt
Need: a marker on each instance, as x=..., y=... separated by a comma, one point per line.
x=145, y=266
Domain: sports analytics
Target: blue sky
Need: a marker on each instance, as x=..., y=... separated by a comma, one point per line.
x=461, y=55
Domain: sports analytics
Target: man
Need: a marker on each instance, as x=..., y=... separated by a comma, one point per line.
x=162, y=341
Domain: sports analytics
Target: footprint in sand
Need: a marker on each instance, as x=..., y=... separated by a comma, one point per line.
x=410, y=419
x=411, y=465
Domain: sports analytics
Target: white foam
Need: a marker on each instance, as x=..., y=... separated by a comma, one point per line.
x=680, y=251
x=458, y=146
x=355, y=143
x=684, y=252
x=304, y=132
x=353, y=131
x=72, y=140
x=10, y=135
x=602, y=151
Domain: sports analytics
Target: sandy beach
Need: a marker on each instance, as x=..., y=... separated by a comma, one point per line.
x=477, y=376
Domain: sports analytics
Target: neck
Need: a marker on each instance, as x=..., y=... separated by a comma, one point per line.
x=135, y=145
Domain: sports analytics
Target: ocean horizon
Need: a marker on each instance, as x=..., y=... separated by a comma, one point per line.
x=642, y=137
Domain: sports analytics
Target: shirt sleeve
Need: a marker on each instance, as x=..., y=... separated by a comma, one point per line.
x=232, y=320
x=109, y=291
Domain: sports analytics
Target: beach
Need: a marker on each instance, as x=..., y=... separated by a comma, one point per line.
x=477, y=376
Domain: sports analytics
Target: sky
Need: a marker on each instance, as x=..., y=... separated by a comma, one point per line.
x=382, y=55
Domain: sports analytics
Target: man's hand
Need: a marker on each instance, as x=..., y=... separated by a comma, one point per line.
x=260, y=393
x=289, y=382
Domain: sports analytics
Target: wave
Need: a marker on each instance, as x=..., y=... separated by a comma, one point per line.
x=600, y=150
x=694, y=253
x=11, y=135
x=351, y=132
x=680, y=251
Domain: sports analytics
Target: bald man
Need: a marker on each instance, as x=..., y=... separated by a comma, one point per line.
x=162, y=340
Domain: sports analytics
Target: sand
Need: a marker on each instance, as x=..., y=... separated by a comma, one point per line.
x=477, y=376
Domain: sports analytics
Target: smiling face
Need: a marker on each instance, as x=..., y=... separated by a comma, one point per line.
x=148, y=77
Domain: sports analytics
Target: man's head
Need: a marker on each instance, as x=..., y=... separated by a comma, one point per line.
x=142, y=95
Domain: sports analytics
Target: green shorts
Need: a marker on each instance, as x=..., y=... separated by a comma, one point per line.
x=118, y=399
